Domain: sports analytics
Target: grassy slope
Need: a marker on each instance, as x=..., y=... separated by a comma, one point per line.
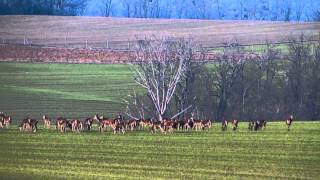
x=82, y=90
x=63, y=89
x=273, y=153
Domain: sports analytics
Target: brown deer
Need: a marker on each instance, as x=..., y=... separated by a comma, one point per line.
x=46, y=121
x=224, y=125
x=235, y=123
x=131, y=124
x=29, y=125
x=118, y=126
x=5, y=121
x=103, y=123
x=207, y=124
x=76, y=125
x=61, y=124
x=157, y=125
x=197, y=124
x=289, y=122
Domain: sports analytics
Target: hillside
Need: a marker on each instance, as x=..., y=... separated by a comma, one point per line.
x=116, y=32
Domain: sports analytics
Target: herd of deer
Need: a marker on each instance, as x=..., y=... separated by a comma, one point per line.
x=119, y=125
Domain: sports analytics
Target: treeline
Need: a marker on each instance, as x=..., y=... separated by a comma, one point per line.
x=284, y=10
x=266, y=88
x=263, y=88
x=279, y=10
x=43, y=7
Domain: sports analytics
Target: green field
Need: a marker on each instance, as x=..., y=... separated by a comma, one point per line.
x=73, y=91
x=82, y=90
x=283, y=48
x=273, y=153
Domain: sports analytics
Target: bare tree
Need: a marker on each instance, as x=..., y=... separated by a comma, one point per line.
x=219, y=9
x=82, y=7
x=274, y=14
x=137, y=106
x=313, y=85
x=185, y=96
x=140, y=8
x=155, y=9
x=180, y=8
x=299, y=9
x=265, y=86
x=200, y=9
x=228, y=66
x=287, y=14
x=127, y=8
x=44, y=7
x=145, y=7
x=299, y=57
x=241, y=3
x=106, y=8
x=161, y=64
x=316, y=15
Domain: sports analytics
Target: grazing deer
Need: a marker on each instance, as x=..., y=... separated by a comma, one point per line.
x=157, y=125
x=103, y=123
x=197, y=125
x=33, y=123
x=87, y=124
x=235, y=124
x=206, y=124
x=260, y=124
x=188, y=124
x=29, y=125
x=1, y=119
x=76, y=125
x=178, y=124
x=167, y=125
x=62, y=123
x=24, y=125
x=131, y=124
x=118, y=126
x=264, y=124
x=46, y=121
x=224, y=125
x=289, y=122
x=251, y=125
x=145, y=123
x=5, y=120
x=181, y=124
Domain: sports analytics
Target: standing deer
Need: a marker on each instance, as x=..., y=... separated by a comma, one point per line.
x=46, y=121
x=289, y=122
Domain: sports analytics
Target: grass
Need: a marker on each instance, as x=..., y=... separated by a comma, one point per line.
x=74, y=91
x=283, y=48
x=273, y=153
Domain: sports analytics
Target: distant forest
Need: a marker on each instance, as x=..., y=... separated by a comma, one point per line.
x=274, y=10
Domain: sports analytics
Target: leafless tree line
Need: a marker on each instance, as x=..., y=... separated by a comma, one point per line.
x=44, y=7
x=175, y=86
x=281, y=10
